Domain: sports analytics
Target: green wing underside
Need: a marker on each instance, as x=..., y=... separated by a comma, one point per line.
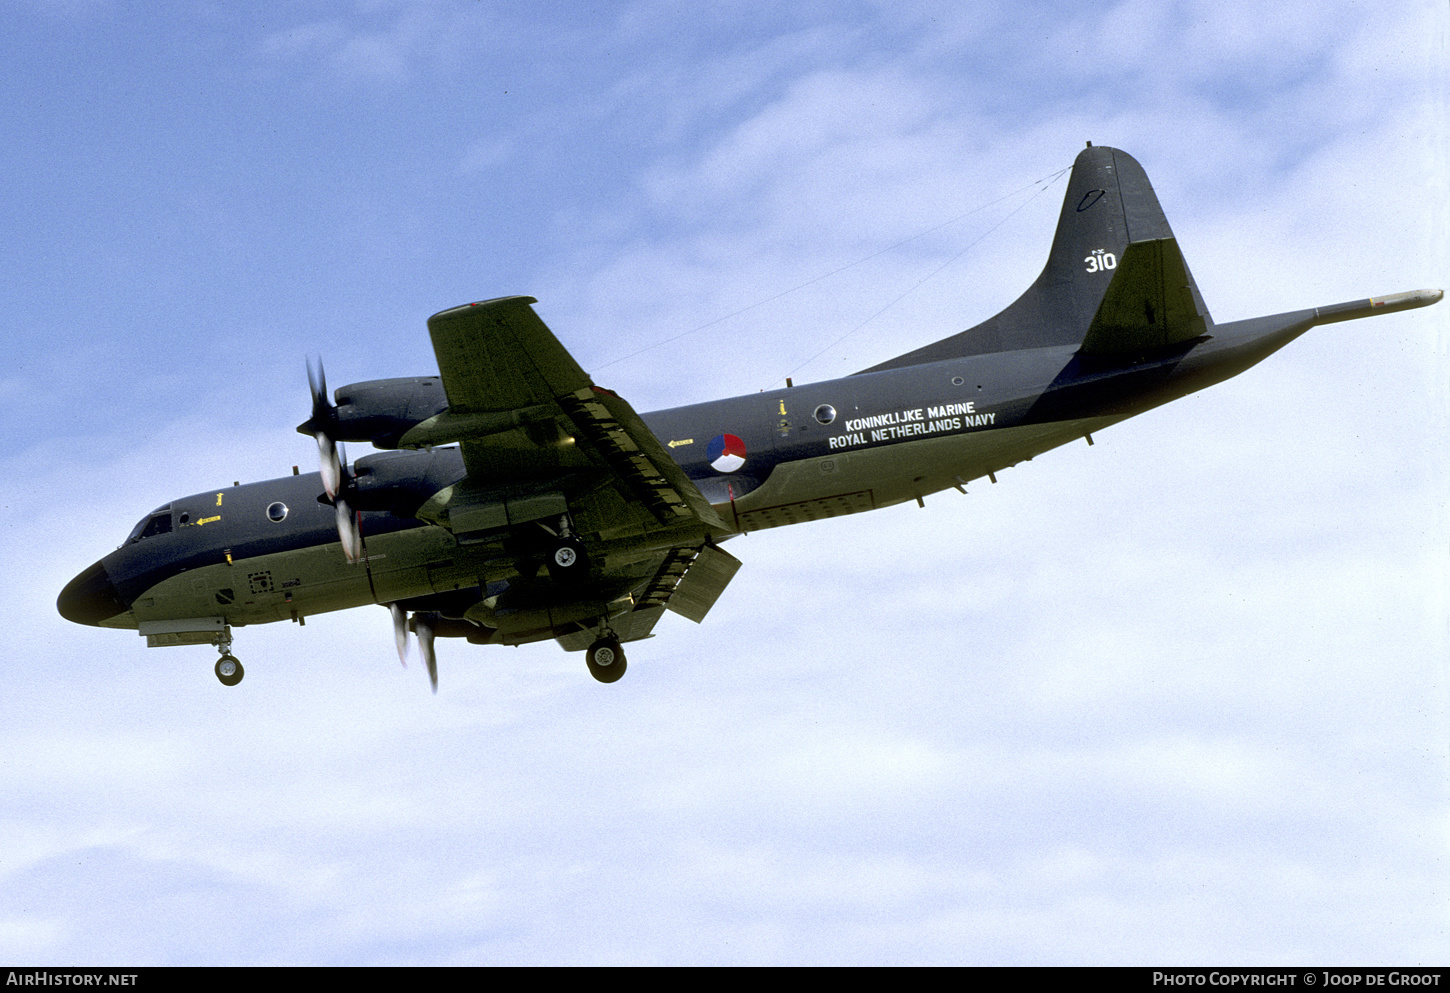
x=539, y=440
x=498, y=356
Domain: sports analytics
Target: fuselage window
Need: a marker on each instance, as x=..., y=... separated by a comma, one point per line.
x=825, y=413
x=277, y=512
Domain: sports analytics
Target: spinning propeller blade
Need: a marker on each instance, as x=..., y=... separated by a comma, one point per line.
x=347, y=530
x=400, y=631
x=423, y=624
x=320, y=425
x=332, y=465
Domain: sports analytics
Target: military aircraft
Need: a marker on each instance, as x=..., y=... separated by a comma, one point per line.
x=515, y=501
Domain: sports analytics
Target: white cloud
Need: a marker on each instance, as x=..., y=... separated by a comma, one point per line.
x=382, y=43
x=1177, y=696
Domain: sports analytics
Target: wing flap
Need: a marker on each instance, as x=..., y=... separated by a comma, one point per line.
x=702, y=583
x=609, y=425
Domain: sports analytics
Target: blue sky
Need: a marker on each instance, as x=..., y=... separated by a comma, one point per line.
x=1178, y=697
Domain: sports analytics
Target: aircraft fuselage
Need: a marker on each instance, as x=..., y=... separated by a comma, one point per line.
x=561, y=515
x=269, y=551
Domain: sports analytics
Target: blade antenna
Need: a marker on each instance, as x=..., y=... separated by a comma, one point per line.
x=934, y=272
x=1048, y=180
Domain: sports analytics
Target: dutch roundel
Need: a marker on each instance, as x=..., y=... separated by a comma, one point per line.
x=726, y=452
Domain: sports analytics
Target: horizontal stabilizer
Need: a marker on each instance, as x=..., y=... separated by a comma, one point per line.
x=1150, y=303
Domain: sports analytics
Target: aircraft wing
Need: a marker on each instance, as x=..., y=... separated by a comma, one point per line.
x=497, y=355
x=535, y=430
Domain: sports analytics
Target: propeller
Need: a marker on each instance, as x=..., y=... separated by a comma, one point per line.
x=336, y=478
x=348, y=530
x=400, y=631
x=320, y=425
x=423, y=624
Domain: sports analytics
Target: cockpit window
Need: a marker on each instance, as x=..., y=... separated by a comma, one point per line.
x=154, y=523
x=160, y=524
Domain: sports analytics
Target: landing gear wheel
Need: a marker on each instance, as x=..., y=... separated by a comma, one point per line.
x=605, y=660
x=229, y=670
x=567, y=561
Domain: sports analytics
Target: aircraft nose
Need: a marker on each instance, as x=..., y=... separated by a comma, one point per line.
x=90, y=598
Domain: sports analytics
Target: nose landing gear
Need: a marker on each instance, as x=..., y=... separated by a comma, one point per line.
x=228, y=669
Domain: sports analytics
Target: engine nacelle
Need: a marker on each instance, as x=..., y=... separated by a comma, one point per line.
x=400, y=482
x=381, y=411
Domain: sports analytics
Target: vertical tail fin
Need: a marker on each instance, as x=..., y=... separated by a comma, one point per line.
x=1109, y=205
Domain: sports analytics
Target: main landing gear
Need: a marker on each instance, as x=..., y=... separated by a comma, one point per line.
x=605, y=660
x=228, y=669
x=567, y=562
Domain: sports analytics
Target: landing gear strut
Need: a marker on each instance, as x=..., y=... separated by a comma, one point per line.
x=605, y=660
x=567, y=559
x=228, y=669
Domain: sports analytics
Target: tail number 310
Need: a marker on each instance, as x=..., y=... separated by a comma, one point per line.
x=1101, y=260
